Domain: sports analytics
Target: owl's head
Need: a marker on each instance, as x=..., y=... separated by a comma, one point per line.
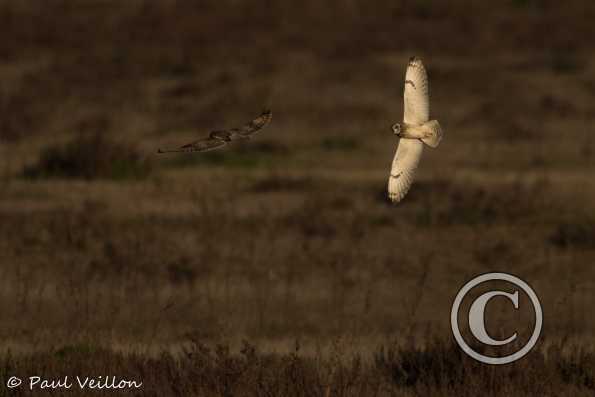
x=396, y=128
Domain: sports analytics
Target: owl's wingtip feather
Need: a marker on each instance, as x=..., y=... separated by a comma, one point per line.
x=415, y=60
x=266, y=116
x=396, y=198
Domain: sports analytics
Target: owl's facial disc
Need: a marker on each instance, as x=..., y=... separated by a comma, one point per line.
x=396, y=128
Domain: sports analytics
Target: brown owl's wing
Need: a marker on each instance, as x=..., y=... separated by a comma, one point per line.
x=202, y=145
x=219, y=138
x=252, y=127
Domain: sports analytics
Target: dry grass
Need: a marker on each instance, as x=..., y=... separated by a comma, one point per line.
x=93, y=156
x=201, y=370
x=290, y=236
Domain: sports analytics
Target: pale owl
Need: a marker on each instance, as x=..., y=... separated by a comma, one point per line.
x=416, y=129
x=220, y=138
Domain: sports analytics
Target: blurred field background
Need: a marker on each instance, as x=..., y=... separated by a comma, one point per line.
x=289, y=239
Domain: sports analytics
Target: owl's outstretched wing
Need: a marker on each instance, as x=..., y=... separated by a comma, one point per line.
x=202, y=145
x=252, y=127
x=219, y=138
x=417, y=94
x=403, y=168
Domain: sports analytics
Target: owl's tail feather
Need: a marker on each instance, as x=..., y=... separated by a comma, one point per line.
x=433, y=133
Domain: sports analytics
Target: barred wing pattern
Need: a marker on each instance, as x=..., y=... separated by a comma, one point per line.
x=416, y=95
x=403, y=169
x=220, y=138
x=252, y=127
x=416, y=112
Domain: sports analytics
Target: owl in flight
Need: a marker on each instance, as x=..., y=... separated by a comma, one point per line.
x=220, y=138
x=416, y=129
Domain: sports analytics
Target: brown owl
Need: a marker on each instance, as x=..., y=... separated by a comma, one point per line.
x=220, y=138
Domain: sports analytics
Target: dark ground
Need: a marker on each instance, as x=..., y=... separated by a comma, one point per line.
x=111, y=254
